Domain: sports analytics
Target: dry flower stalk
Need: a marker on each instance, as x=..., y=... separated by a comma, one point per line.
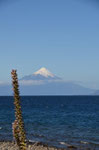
x=18, y=125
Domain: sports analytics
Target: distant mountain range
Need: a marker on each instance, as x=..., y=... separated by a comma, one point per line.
x=96, y=92
x=43, y=82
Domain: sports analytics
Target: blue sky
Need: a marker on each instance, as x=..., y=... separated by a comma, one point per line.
x=61, y=35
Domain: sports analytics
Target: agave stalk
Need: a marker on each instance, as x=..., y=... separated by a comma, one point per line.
x=18, y=125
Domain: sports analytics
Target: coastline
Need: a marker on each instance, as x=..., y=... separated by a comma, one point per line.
x=4, y=145
x=11, y=145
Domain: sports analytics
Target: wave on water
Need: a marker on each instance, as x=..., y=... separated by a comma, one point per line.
x=84, y=142
x=60, y=121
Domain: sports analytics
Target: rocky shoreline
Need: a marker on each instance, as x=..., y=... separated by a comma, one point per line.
x=10, y=145
x=4, y=145
x=30, y=146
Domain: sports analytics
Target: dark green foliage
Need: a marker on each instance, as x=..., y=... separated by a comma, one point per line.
x=18, y=125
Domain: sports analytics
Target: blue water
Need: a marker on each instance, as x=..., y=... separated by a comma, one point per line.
x=54, y=119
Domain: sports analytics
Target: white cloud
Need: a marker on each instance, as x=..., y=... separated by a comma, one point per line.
x=4, y=83
x=31, y=82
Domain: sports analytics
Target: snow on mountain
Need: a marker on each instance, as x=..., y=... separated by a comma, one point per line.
x=43, y=82
x=44, y=72
x=41, y=74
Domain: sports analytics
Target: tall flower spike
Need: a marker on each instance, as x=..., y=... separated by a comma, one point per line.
x=18, y=127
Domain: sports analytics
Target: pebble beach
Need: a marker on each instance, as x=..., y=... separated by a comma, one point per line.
x=36, y=146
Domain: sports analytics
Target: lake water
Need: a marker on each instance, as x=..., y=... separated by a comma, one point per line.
x=55, y=120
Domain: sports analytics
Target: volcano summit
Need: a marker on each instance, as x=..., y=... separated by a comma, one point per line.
x=41, y=74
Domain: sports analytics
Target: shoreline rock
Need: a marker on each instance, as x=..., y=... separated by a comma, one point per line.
x=31, y=146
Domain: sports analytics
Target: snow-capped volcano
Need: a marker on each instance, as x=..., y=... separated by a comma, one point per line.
x=44, y=72
x=41, y=74
x=43, y=82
